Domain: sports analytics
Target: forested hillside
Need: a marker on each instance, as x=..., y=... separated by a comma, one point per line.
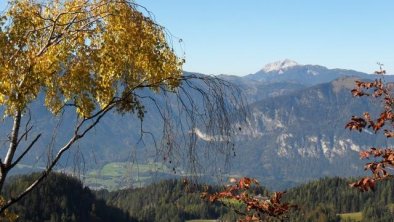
x=323, y=199
x=169, y=200
x=63, y=198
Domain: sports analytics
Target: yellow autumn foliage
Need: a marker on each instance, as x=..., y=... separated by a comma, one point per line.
x=80, y=52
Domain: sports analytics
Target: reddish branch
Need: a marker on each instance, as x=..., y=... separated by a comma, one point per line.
x=256, y=207
x=383, y=158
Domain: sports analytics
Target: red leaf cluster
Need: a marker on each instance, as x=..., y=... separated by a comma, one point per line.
x=385, y=157
x=378, y=89
x=364, y=184
x=356, y=123
x=256, y=207
x=379, y=169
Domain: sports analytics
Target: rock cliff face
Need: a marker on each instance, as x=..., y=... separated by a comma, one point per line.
x=301, y=135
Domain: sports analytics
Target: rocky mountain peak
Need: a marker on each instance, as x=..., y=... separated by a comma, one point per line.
x=279, y=66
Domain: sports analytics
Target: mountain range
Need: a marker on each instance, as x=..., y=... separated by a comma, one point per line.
x=294, y=133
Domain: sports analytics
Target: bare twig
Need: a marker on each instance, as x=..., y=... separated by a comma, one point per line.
x=24, y=152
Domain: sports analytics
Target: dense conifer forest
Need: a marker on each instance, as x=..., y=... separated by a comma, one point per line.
x=64, y=198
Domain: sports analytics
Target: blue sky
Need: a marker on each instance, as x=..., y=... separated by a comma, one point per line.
x=240, y=37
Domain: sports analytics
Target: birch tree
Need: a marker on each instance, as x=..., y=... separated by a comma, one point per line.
x=91, y=55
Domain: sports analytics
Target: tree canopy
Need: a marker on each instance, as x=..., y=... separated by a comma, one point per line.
x=95, y=56
x=91, y=55
x=84, y=53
